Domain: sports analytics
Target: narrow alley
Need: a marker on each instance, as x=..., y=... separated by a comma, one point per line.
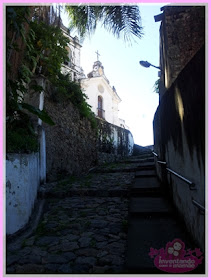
x=103, y=223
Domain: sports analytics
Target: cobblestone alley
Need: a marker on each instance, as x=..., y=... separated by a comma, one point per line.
x=86, y=229
x=83, y=228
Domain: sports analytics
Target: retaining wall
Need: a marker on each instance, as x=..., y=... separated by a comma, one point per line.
x=179, y=140
x=22, y=182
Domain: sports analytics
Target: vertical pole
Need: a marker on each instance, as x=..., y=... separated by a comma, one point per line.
x=42, y=141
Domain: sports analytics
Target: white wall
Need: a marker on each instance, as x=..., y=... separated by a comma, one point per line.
x=74, y=65
x=115, y=141
x=91, y=89
x=22, y=182
x=131, y=143
x=115, y=104
x=77, y=61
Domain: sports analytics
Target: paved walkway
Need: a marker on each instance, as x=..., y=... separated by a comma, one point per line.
x=83, y=229
x=153, y=223
x=102, y=223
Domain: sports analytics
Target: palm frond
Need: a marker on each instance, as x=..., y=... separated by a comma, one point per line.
x=123, y=20
x=120, y=20
x=82, y=18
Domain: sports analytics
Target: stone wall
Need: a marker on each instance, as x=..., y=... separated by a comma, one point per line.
x=22, y=182
x=70, y=147
x=70, y=143
x=179, y=140
x=73, y=146
x=182, y=34
x=114, y=142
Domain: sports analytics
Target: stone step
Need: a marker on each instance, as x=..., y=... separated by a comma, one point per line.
x=146, y=186
x=146, y=183
x=139, y=160
x=145, y=173
x=149, y=206
x=84, y=192
x=146, y=166
x=118, y=170
x=150, y=232
x=145, y=155
x=143, y=152
x=132, y=167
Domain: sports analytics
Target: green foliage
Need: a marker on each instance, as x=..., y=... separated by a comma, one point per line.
x=106, y=143
x=157, y=86
x=44, y=52
x=63, y=89
x=46, y=49
x=119, y=20
x=16, y=18
x=20, y=136
x=41, y=114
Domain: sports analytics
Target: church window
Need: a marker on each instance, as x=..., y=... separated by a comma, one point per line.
x=100, y=111
x=68, y=62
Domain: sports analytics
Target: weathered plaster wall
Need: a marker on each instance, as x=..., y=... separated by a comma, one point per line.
x=22, y=182
x=179, y=139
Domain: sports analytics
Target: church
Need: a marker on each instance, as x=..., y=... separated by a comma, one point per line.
x=73, y=65
x=102, y=97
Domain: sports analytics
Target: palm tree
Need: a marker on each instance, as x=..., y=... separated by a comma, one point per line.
x=122, y=19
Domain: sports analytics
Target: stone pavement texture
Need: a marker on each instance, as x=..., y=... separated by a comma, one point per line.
x=101, y=223
x=83, y=229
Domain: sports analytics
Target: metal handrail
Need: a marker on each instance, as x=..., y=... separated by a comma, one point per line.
x=201, y=208
x=155, y=154
x=191, y=184
x=161, y=162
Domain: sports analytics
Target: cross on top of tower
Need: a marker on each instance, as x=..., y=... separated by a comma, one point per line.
x=97, y=55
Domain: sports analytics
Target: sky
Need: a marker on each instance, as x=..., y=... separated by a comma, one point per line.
x=134, y=83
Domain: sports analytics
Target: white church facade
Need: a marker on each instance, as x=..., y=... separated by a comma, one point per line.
x=73, y=65
x=102, y=98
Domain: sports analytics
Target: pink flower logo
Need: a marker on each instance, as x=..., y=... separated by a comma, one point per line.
x=175, y=259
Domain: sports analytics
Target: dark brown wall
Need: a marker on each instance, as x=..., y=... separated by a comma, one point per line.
x=182, y=35
x=180, y=142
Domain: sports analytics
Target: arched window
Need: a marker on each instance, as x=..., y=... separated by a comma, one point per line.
x=100, y=111
x=68, y=62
